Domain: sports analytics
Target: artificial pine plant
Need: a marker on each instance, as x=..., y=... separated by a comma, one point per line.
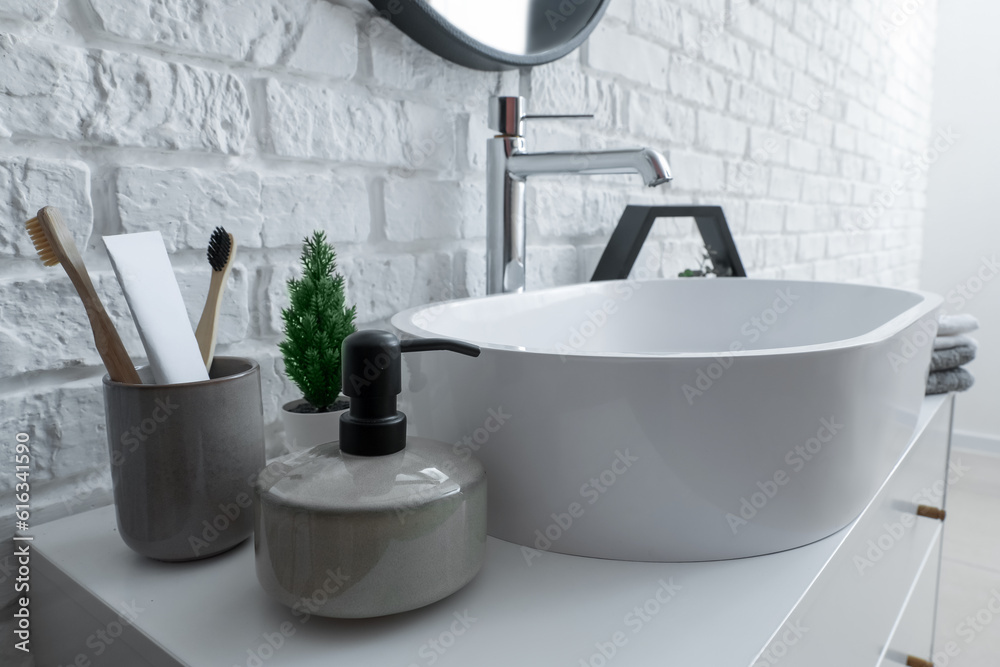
x=315, y=324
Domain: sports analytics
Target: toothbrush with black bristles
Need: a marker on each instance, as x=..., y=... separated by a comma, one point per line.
x=221, y=250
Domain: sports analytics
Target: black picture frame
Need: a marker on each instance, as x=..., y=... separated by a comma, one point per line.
x=633, y=227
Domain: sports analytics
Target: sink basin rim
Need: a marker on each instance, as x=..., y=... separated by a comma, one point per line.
x=404, y=322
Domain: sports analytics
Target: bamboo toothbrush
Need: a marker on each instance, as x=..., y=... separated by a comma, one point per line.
x=55, y=246
x=221, y=250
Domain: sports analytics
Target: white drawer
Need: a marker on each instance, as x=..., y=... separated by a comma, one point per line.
x=848, y=614
x=914, y=631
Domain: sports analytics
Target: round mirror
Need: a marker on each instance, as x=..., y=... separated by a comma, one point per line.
x=496, y=35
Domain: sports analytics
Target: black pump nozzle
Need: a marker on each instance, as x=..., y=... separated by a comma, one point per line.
x=372, y=380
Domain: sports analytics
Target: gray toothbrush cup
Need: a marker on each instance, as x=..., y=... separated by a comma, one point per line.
x=184, y=458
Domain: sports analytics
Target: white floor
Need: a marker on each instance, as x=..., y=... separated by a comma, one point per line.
x=968, y=630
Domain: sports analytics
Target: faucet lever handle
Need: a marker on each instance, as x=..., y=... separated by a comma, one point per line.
x=558, y=116
x=507, y=116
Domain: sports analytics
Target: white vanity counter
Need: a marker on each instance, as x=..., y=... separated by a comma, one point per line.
x=864, y=596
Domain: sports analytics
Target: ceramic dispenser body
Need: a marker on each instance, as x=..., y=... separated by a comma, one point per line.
x=375, y=523
x=400, y=532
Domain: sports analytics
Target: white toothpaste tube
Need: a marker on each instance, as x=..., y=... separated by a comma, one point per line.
x=147, y=279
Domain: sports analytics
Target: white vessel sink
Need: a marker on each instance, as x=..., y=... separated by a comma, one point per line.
x=675, y=420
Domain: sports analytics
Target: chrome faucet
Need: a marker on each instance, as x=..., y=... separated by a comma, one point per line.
x=507, y=167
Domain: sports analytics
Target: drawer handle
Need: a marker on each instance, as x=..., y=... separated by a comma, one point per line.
x=917, y=662
x=930, y=513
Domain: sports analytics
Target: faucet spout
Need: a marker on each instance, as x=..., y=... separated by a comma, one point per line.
x=508, y=165
x=646, y=162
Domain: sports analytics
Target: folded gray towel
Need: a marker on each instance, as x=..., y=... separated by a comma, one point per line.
x=954, y=379
x=947, y=342
x=950, y=325
x=942, y=360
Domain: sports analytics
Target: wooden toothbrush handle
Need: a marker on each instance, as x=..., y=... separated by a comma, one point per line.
x=109, y=345
x=207, y=331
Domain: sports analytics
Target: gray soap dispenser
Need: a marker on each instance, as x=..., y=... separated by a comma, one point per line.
x=378, y=522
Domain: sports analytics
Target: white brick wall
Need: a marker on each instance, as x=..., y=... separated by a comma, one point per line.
x=275, y=117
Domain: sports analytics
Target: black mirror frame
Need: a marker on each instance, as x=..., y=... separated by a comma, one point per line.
x=432, y=31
